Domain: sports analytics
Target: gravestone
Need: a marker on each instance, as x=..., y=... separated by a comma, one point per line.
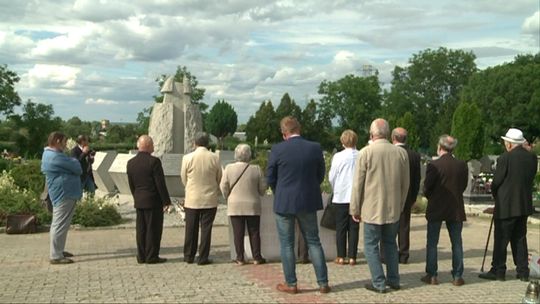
x=270, y=248
x=472, y=193
x=100, y=169
x=488, y=163
x=118, y=172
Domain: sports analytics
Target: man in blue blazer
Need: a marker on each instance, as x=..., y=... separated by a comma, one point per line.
x=295, y=172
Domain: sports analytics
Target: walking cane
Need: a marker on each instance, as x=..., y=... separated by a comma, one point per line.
x=487, y=243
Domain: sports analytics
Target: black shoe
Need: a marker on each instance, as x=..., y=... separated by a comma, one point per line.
x=370, y=287
x=140, y=261
x=205, y=262
x=523, y=278
x=188, y=260
x=492, y=276
x=68, y=254
x=61, y=261
x=157, y=261
x=394, y=287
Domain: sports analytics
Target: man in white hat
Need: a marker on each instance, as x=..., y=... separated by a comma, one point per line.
x=512, y=189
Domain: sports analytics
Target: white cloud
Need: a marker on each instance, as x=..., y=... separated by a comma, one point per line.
x=56, y=76
x=531, y=25
x=100, y=101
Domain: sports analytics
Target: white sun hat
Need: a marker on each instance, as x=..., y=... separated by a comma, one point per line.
x=514, y=136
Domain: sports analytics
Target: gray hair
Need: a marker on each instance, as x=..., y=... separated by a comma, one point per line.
x=242, y=153
x=379, y=128
x=202, y=139
x=447, y=142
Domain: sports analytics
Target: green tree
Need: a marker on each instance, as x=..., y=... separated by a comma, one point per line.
x=354, y=101
x=467, y=127
x=287, y=107
x=315, y=128
x=429, y=88
x=115, y=134
x=35, y=124
x=263, y=125
x=221, y=120
x=407, y=122
x=508, y=96
x=143, y=120
x=9, y=98
x=74, y=127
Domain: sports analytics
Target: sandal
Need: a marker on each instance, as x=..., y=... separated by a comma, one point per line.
x=352, y=261
x=259, y=261
x=339, y=261
x=239, y=262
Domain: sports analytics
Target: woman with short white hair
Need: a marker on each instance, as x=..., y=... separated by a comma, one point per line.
x=243, y=185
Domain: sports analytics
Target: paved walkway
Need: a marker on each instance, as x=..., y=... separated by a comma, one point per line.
x=106, y=271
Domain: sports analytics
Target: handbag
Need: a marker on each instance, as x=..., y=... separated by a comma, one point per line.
x=21, y=224
x=46, y=199
x=328, y=219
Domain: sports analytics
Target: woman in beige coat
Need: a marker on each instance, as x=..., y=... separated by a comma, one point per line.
x=242, y=185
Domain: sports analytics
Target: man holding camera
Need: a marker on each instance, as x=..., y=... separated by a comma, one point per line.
x=85, y=155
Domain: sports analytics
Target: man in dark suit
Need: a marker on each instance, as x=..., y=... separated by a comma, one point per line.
x=399, y=138
x=295, y=171
x=512, y=188
x=446, y=179
x=85, y=155
x=147, y=184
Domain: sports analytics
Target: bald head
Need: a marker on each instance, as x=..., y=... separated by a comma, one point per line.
x=379, y=129
x=399, y=135
x=145, y=144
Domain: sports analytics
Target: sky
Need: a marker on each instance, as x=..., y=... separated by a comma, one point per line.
x=98, y=59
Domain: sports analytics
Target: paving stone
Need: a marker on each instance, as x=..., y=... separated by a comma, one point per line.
x=106, y=272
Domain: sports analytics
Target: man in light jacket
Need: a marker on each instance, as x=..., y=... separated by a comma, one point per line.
x=201, y=174
x=380, y=186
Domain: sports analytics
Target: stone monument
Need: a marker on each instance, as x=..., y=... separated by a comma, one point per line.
x=175, y=121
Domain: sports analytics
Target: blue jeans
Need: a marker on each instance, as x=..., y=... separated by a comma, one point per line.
x=386, y=234
x=310, y=231
x=454, y=231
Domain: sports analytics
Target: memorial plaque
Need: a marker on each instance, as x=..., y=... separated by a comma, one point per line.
x=100, y=169
x=171, y=164
x=118, y=173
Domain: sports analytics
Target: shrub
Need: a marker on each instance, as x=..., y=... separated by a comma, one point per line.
x=28, y=176
x=5, y=164
x=96, y=212
x=15, y=200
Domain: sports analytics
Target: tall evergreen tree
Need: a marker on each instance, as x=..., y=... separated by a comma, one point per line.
x=221, y=120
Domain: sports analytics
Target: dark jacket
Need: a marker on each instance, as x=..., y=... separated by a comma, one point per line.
x=414, y=176
x=512, y=184
x=295, y=171
x=86, y=160
x=446, y=179
x=147, y=182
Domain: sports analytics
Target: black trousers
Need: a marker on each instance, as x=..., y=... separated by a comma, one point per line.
x=346, y=229
x=195, y=218
x=148, y=229
x=253, y=224
x=514, y=231
x=404, y=232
